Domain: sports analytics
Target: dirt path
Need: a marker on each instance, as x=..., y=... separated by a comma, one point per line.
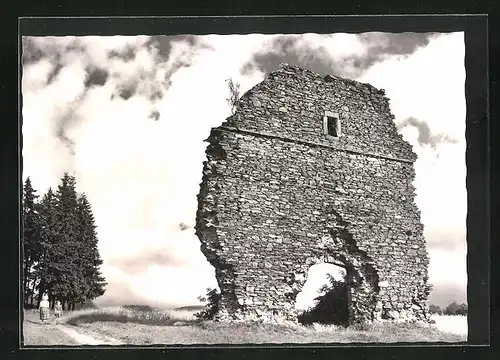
x=36, y=333
x=84, y=339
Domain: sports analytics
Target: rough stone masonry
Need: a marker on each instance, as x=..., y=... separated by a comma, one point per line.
x=311, y=169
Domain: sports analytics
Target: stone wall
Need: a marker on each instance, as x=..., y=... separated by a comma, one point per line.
x=278, y=196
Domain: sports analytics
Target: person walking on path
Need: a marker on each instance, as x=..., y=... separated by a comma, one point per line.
x=58, y=311
x=44, y=309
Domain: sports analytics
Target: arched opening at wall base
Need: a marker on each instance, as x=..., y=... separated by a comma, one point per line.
x=325, y=296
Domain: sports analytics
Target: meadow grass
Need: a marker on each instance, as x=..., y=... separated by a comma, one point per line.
x=162, y=327
x=127, y=315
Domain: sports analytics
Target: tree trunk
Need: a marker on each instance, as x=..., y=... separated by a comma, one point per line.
x=73, y=307
x=25, y=290
x=31, y=297
x=25, y=283
x=32, y=292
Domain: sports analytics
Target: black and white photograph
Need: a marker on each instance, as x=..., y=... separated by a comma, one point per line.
x=244, y=189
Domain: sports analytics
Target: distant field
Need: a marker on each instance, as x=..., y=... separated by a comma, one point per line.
x=193, y=308
x=144, y=327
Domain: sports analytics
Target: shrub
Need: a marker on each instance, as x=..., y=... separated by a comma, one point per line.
x=234, y=95
x=361, y=326
x=331, y=307
x=435, y=309
x=462, y=310
x=456, y=309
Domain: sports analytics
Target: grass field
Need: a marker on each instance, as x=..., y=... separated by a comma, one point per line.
x=150, y=326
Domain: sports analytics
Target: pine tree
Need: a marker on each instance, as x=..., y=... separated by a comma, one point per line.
x=66, y=263
x=65, y=274
x=31, y=239
x=93, y=282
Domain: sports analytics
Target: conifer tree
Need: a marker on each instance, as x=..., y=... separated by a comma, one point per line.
x=61, y=256
x=31, y=239
x=44, y=274
x=94, y=283
x=65, y=270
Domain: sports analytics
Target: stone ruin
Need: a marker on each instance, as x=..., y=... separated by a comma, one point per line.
x=308, y=170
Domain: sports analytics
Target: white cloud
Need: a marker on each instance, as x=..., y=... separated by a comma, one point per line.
x=428, y=85
x=35, y=76
x=338, y=46
x=160, y=282
x=449, y=267
x=441, y=188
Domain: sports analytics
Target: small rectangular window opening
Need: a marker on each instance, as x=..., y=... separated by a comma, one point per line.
x=331, y=124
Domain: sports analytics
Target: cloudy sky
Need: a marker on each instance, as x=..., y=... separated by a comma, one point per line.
x=128, y=116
